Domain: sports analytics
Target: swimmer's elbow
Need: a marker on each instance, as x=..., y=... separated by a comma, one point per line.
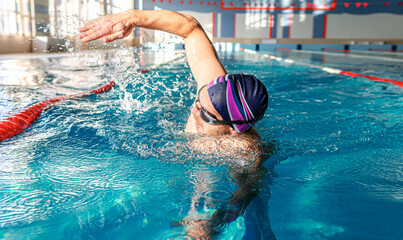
x=192, y=25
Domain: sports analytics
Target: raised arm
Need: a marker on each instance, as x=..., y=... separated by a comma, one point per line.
x=200, y=53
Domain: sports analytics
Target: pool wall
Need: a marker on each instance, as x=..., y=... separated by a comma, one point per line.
x=280, y=22
x=306, y=20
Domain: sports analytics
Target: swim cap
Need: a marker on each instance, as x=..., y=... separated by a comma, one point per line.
x=239, y=97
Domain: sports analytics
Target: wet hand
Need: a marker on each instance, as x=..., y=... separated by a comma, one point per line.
x=109, y=27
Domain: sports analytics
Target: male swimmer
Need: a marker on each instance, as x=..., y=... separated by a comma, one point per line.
x=226, y=107
x=226, y=104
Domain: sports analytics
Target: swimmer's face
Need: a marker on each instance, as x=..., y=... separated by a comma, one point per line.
x=201, y=126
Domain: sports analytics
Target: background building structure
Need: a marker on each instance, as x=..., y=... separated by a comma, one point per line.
x=46, y=25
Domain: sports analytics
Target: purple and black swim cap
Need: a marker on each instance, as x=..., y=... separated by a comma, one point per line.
x=239, y=97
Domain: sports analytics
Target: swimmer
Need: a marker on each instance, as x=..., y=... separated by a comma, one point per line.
x=226, y=104
x=226, y=108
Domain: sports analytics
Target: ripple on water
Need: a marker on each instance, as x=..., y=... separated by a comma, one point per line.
x=195, y=223
x=67, y=182
x=218, y=196
x=174, y=235
x=24, y=207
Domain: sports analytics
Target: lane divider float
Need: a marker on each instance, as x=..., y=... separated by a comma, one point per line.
x=351, y=53
x=17, y=123
x=328, y=69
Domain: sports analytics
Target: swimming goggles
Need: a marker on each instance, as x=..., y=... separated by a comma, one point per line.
x=210, y=119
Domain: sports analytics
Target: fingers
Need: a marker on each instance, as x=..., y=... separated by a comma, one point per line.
x=88, y=25
x=112, y=37
x=88, y=30
x=98, y=32
x=106, y=27
x=118, y=31
x=94, y=29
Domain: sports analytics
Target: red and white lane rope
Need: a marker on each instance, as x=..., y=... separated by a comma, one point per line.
x=329, y=70
x=17, y=123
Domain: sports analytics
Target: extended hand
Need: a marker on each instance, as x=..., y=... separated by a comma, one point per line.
x=109, y=27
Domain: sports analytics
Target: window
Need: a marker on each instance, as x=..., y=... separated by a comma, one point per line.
x=16, y=17
x=66, y=16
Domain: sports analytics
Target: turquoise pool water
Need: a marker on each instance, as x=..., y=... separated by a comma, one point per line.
x=118, y=165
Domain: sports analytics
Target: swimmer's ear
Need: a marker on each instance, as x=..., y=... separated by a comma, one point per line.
x=233, y=132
